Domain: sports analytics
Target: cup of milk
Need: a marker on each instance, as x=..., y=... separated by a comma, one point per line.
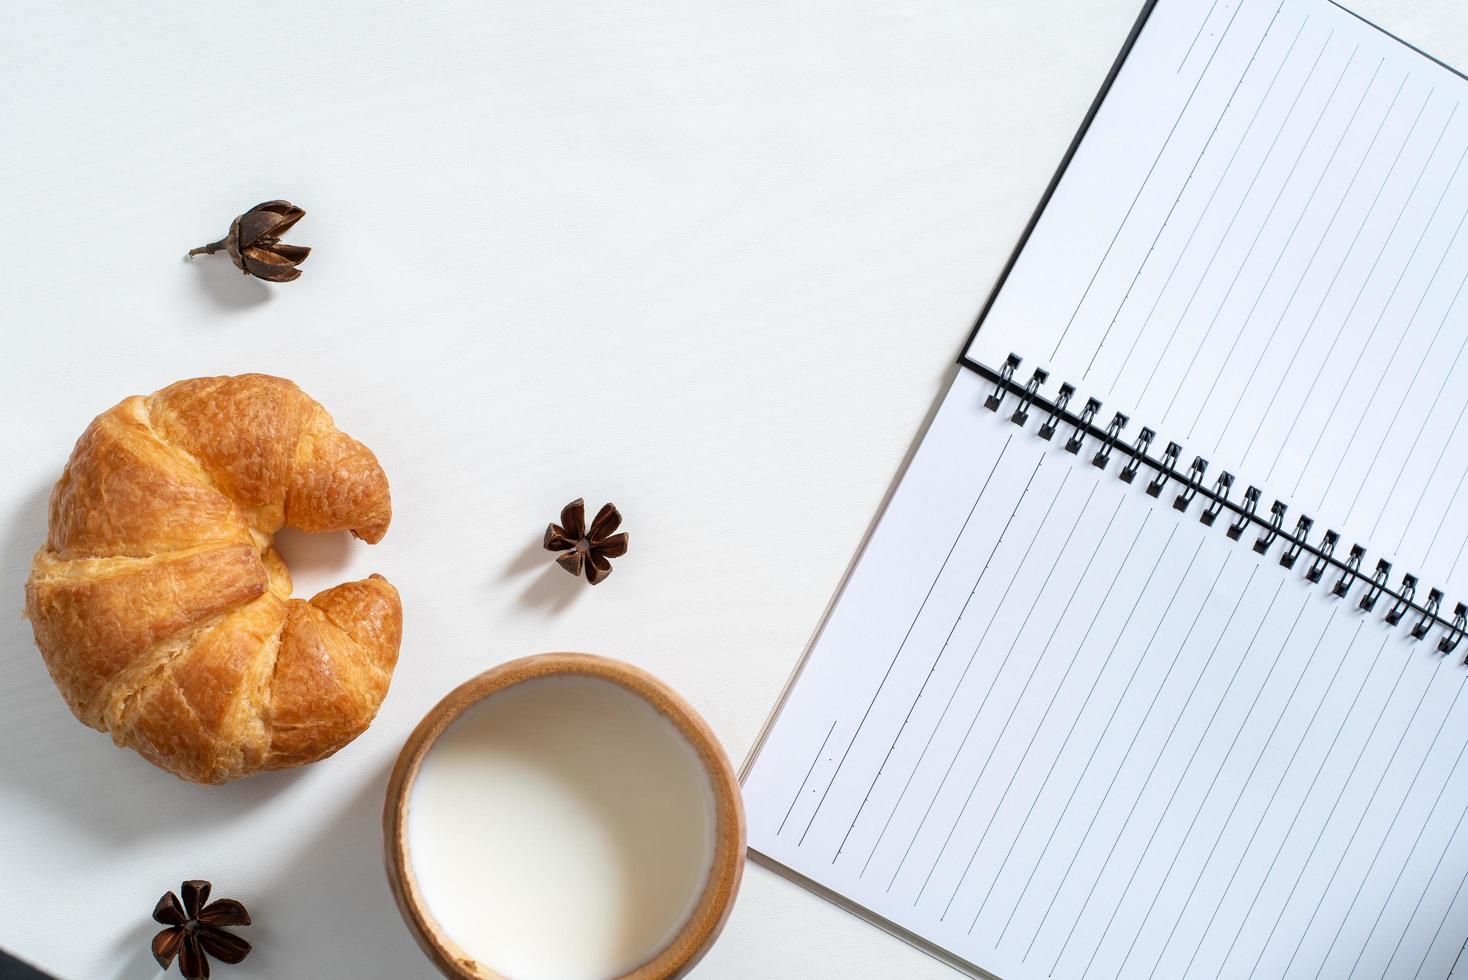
x=564, y=817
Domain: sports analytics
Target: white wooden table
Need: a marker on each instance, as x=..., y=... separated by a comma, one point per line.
x=710, y=260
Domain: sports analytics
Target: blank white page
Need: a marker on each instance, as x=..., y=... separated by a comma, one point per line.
x=1054, y=727
x=1259, y=249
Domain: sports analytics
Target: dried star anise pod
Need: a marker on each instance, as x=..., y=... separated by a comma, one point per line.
x=196, y=929
x=589, y=549
x=254, y=244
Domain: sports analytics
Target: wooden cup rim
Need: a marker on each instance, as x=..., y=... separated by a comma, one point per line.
x=686, y=948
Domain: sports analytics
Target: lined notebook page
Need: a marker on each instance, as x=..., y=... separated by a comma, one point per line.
x=1260, y=251
x=1056, y=728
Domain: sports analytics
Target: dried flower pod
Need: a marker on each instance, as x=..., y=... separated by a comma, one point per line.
x=196, y=929
x=584, y=549
x=254, y=244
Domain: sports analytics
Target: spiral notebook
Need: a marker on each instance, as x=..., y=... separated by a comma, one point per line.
x=1101, y=698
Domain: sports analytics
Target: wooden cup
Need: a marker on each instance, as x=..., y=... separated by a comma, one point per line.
x=708, y=918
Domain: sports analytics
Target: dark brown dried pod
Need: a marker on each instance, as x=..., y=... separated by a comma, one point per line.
x=584, y=549
x=254, y=244
x=196, y=930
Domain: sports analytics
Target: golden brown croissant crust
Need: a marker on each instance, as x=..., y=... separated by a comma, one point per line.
x=163, y=612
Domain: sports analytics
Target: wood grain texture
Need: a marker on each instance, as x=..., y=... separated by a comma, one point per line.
x=716, y=902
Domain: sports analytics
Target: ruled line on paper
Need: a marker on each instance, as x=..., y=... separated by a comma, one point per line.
x=1284, y=838
x=1401, y=870
x=1279, y=259
x=1437, y=866
x=1204, y=23
x=1416, y=373
x=1268, y=741
x=1174, y=769
x=1071, y=798
x=1070, y=664
x=958, y=685
x=1341, y=860
x=1243, y=725
x=1362, y=819
x=1381, y=252
x=921, y=606
x=1175, y=671
x=1456, y=960
x=1143, y=186
x=1325, y=237
x=1239, y=796
x=1422, y=429
x=1447, y=509
x=1442, y=922
x=999, y=874
x=1464, y=544
x=1247, y=351
x=1019, y=567
x=1049, y=641
x=1202, y=152
x=1130, y=680
x=1355, y=764
x=1238, y=212
x=1091, y=691
x=1271, y=211
x=1396, y=344
x=1157, y=760
x=1176, y=659
x=1342, y=388
x=929, y=676
x=1259, y=625
x=1205, y=210
x=801, y=788
x=1029, y=614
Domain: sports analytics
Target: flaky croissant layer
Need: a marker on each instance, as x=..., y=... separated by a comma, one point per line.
x=162, y=611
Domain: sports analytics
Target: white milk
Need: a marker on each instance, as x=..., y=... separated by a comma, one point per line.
x=561, y=829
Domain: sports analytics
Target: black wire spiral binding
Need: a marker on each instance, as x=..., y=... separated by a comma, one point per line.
x=1322, y=557
x=1399, y=608
x=1047, y=429
x=1350, y=572
x=1221, y=488
x=1276, y=526
x=1378, y=584
x=1434, y=602
x=1002, y=382
x=1022, y=413
x=1084, y=424
x=1246, y=513
x=1103, y=455
x=1165, y=473
x=1194, y=484
x=1302, y=532
x=1139, y=453
x=1243, y=513
x=1456, y=630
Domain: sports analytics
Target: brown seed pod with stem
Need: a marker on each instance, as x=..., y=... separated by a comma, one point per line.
x=254, y=244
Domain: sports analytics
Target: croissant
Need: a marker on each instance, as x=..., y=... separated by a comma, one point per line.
x=163, y=611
